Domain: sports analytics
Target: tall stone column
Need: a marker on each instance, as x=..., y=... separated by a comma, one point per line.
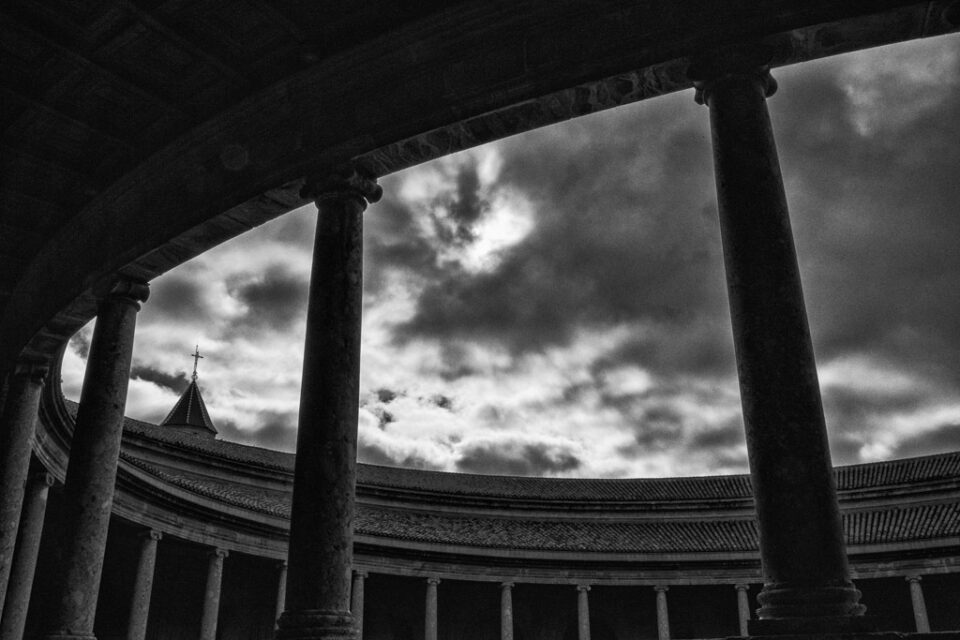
x=663, y=614
x=92, y=468
x=806, y=579
x=25, y=559
x=356, y=601
x=211, y=595
x=143, y=586
x=17, y=420
x=321, y=520
x=919, y=606
x=583, y=612
x=506, y=611
x=430, y=610
x=743, y=606
x=281, y=589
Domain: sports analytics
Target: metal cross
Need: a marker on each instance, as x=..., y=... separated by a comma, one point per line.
x=196, y=358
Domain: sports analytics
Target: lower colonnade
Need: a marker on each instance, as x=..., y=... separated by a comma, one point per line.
x=787, y=532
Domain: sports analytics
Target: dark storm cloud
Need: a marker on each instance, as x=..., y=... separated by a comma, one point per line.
x=394, y=242
x=454, y=219
x=274, y=430
x=80, y=344
x=176, y=383
x=275, y=299
x=729, y=434
x=516, y=459
x=371, y=453
x=179, y=297
x=620, y=235
x=943, y=438
x=875, y=219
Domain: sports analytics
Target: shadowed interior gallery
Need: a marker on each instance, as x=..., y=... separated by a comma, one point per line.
x=139, y=135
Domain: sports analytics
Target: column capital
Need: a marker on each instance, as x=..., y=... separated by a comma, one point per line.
x=218, y=553
x=583, y=587
x=281, y=565
x=124, y=289
x=347, y=180
x=42, y=478
x=32, y=370
x=363, y=575
x=151, y=534
x=711, y=67
x=913, y=579
x=661, y=588
x=507, y=585
x=433, y=580
x=740, y=586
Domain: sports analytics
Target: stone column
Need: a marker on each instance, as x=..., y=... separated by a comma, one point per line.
x=743, y=606
x=92, y=468
x=211, y=595
x=143, y=586
x=281, y=590
x=320, y=554
x=663, y=614
x=583, y=612
x=806, y=578
x=356, y=601
x=506, y=611
x=25, y=559
x=17, y=420
x=430, y=610
x=919, y=606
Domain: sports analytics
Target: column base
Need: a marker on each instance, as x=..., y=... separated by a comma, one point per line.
x=316, y=624
x=68, y=635
x=832, y=603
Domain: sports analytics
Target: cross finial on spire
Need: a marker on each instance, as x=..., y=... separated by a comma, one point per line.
x=196, y=358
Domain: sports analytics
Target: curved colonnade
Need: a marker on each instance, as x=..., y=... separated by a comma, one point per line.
x=428, y=530
x=237, y=157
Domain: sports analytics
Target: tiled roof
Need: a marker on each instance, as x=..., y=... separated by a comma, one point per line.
x=190, y=411
x=883, y=524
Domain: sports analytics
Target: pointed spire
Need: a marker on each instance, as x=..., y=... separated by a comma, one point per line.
x=190, y=412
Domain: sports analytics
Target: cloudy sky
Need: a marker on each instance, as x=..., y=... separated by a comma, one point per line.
x=554, y=303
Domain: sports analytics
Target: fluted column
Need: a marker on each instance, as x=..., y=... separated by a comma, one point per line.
x=663, y=614
x=430, y=610
x=211, y=595
x=356, y=601
x=506, y=611
x=320, y=554
x=743, y=606
x=806, y=578
x=143, y=586
x=92, y=468
x=919, y=606
x=17, y=420
x=25, y=559
x=281, y=590
x=583, y=612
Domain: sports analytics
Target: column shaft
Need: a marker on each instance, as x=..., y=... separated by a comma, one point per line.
x=919, y=606
x=211, y=596
x=801, y=539
x=743, y=607
x=430, y=610
x=583, y=612
x=143, y=586
x=320, y=554
x=17, y=420
x=92, y=468
x=663, y=614
x=356, y=601
x=25, y=559
x=281, y=589
x=506, y=611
